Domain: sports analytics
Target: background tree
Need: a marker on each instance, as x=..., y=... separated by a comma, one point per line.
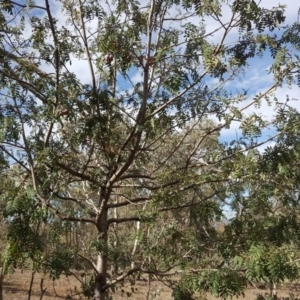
x=264, y=231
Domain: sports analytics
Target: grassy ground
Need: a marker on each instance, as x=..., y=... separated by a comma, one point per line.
x=16, y=288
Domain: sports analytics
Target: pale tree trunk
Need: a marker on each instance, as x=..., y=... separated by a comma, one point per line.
x=115, y=265
x=147, y=296
x=102, y=259
x=100, y=280
x=273, y=291
x=136, y=241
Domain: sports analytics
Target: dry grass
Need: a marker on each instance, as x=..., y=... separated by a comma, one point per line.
x=16, y=288
x=16, y=285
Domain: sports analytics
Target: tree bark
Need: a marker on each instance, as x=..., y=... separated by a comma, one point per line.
x=1, y=283
x=100, y=280
x=115, y=265
x=102, y=259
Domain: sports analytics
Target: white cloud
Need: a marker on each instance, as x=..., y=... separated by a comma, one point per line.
x=137, y=77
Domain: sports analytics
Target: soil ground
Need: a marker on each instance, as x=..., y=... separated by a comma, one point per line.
x=16, y=285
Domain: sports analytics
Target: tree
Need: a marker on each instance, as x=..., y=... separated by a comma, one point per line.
x=129, y=142
x=261, y=241
x=264, y=231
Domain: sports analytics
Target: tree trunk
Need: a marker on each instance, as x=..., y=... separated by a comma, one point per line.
x=273, y=291
x=115, y=264
x=100, y=280
x=31, y=285
x=136, y=241
x=1, y=283
x=102, y=259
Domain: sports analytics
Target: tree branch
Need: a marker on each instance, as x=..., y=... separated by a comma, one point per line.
x=87, y=50
x=128, y=202
x=120, y=278
x=24, y=62
x=75, y=173
x=123, y=220
x=25, y=85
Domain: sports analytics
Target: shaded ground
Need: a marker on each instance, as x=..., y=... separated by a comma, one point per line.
x=16, y=288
